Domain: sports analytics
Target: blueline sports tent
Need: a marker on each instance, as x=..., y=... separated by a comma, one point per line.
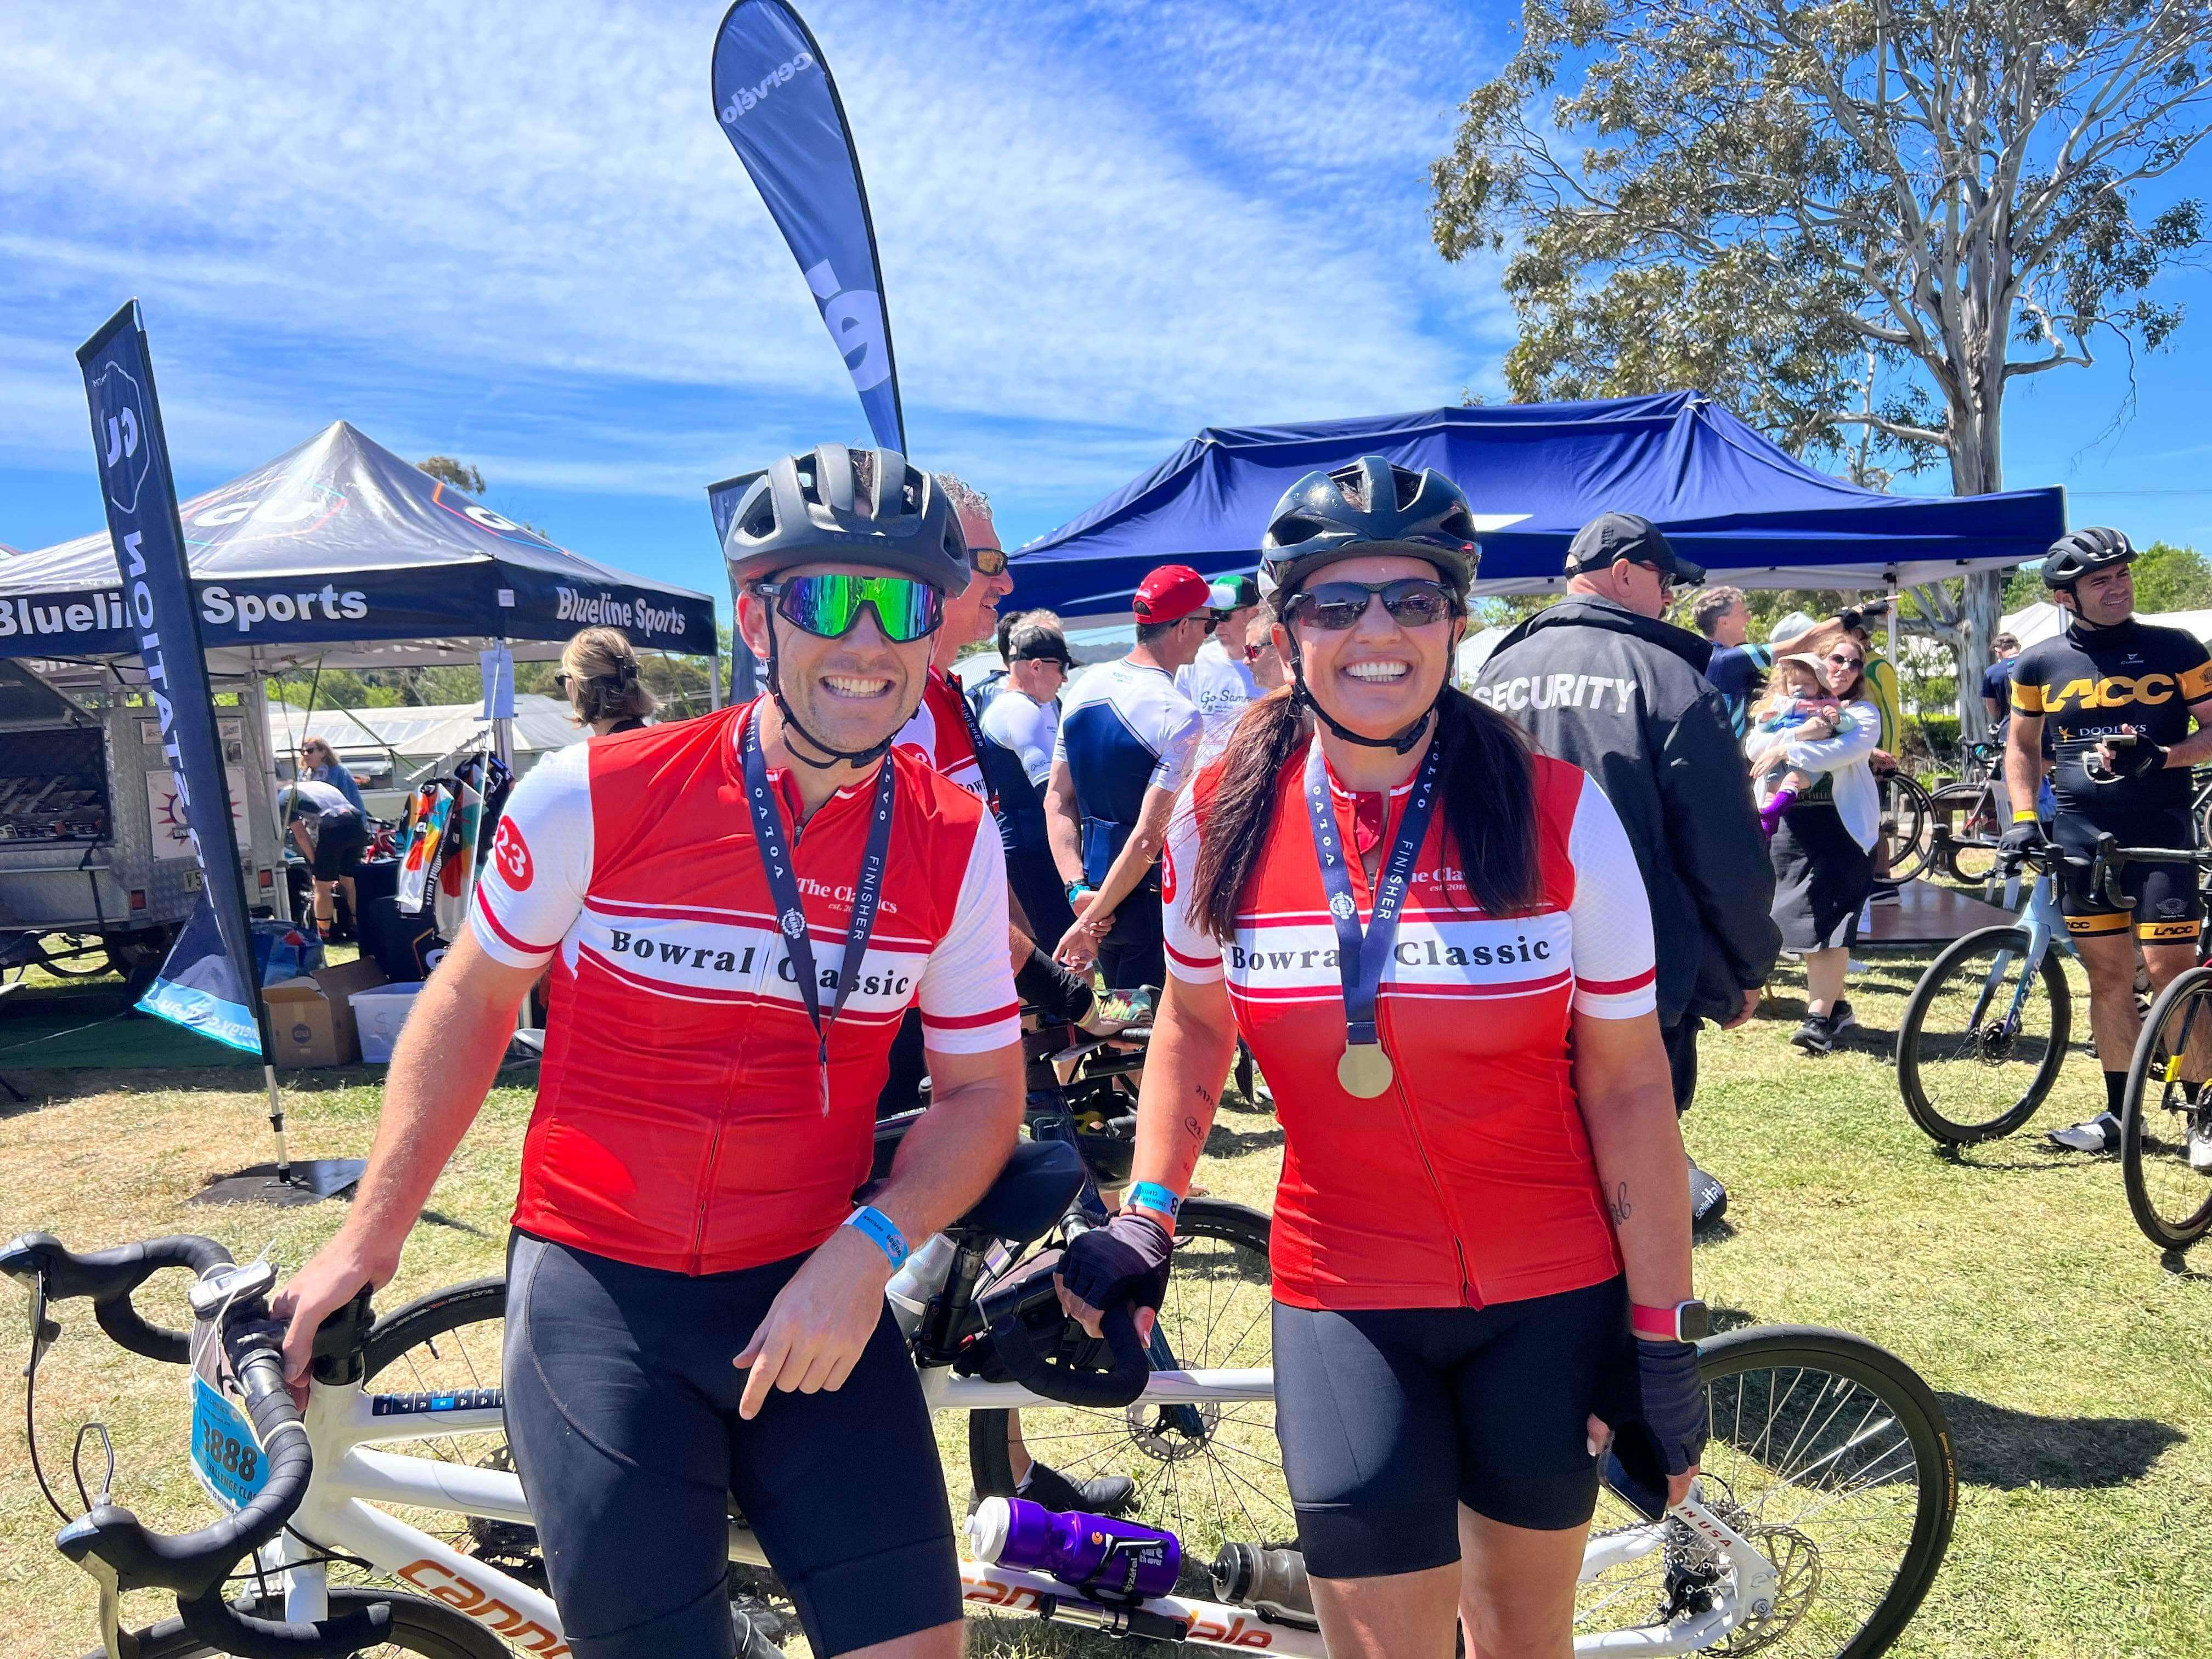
x=1534, y=473
x=341, y=553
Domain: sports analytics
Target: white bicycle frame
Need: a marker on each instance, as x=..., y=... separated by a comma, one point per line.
x=355, y=1470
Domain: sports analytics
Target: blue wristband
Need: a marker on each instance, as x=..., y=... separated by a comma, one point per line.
x=1154, y=1197
x=880, y=1232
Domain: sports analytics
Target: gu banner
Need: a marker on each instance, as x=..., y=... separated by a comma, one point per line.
x=209, y=983
x=780, y=110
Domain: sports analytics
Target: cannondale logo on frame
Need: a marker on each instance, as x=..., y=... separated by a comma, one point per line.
x=744, y=99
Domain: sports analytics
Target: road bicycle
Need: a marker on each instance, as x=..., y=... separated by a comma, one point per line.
x=2165, y=1119
x=1985, y=1028
x=1821, y=1519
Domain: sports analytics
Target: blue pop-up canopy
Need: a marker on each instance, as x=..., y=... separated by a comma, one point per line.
x=339, y=551
x=1534, y=473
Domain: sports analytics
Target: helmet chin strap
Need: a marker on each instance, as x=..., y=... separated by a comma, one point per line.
x=847, y=757
x=1402, y=742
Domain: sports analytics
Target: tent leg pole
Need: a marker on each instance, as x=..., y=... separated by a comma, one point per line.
x=714, y=679
x=276, y=1123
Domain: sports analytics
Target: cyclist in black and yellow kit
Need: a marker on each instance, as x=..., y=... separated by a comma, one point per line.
x=2108, y=676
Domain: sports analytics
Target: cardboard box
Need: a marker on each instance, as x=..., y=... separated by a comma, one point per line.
x=311, y=1020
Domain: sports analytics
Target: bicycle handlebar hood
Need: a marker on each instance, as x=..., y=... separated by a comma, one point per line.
x=1371, y=505
x=833, y=505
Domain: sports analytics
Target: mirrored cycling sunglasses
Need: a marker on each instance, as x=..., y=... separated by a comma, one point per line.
x=828, y=606
x=988, y=560
x=1412, y=601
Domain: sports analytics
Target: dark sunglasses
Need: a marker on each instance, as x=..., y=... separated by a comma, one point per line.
x=988, y=560
x=1848, y=662
x=1412, y=601
x=828, y=606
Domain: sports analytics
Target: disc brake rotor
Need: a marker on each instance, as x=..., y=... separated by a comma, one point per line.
x=1172, y=1433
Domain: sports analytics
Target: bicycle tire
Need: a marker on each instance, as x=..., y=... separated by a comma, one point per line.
x=1916, y=1410
x=418, y=1626
x=1909, y=819
x=430, y=1317
x=2156, y=1226
x=1911, y=1085
x=990, y=1456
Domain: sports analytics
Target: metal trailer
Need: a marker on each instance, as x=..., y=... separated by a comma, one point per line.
x=95, y=868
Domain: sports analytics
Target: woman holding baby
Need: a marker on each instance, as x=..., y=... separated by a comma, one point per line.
x=1812, y=737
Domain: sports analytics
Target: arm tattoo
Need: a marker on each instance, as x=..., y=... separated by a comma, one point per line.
x=1190, y=1127
x=1620, y=1208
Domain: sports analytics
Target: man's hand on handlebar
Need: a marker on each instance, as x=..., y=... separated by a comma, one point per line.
x=332, y=1277
x=2020, y=839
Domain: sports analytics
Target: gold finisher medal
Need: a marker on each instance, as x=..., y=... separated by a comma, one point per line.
x=1364, y=1070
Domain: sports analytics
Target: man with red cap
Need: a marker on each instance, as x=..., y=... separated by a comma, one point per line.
x=1127, y=736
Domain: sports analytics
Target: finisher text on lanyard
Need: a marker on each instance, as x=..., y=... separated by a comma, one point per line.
x=783, y=890
x=1365, y=1069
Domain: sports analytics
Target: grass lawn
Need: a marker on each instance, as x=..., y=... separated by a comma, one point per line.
x=2076, y=1367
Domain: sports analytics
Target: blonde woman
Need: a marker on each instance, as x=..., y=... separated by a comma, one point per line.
x=598, y=676
x=1823, y=845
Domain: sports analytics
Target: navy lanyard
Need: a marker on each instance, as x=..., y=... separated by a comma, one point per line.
x=783, y=890
x=1361, y=958
x=975, y=742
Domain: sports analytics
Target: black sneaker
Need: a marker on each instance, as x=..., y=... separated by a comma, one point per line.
x=1102, y=1494
x=1816, y=1035
x=1708, y=1198
x=1841, y=1017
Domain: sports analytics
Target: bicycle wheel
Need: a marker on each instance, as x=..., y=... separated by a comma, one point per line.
x=418, y=1626
x=2169, y=1099
x=1983, y=1038
x=1908, y=819
x=1832, y=1457
x=1211, y=1474
x=449, y=1341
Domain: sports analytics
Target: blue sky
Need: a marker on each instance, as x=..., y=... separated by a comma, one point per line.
x=513, y=233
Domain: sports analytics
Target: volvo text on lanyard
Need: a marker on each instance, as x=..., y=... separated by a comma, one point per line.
x=1365, y=1069
x=783, y=890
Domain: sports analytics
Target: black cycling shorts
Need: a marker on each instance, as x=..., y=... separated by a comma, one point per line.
x=622, y=1408
x=2168, y=909
x=340, y=840
x=1390, y=1418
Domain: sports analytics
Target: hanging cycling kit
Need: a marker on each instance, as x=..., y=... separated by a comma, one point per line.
x=1365, y=1068
x=791, y=912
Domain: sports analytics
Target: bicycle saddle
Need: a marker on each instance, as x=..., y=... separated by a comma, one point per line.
x=1032, y=1194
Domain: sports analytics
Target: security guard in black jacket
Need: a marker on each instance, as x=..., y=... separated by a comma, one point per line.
x=1598, y=680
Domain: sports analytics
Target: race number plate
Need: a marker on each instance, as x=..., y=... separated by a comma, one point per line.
x=225, y=1455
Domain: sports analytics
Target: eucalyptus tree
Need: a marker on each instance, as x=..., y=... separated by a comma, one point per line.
x=1857, y=222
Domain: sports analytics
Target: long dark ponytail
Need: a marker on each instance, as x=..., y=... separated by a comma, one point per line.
x=1489, y=803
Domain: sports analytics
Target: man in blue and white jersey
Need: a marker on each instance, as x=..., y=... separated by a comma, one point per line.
x=1126, y=740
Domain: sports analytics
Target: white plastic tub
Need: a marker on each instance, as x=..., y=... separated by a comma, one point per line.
x=378, y=1015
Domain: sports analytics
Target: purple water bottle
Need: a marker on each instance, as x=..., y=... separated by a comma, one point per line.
x=1112, y=1561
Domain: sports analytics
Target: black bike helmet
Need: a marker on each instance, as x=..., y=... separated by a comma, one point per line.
x=816, y=508
x=2080, y=553
x=1369, y=507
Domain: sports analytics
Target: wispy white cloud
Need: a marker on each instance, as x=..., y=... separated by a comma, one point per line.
x=516, y=229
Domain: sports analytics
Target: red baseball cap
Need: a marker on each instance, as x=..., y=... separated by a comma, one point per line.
x=1171, y=594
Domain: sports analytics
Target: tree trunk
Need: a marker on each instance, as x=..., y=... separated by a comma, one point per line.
x=1976, y=468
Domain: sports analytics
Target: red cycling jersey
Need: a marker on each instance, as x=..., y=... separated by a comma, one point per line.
x=939, y=734
x=681, y=1120
x=1471, y=1180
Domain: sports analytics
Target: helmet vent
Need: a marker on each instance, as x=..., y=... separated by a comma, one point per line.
x=1351, y=483
x=761, y=521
